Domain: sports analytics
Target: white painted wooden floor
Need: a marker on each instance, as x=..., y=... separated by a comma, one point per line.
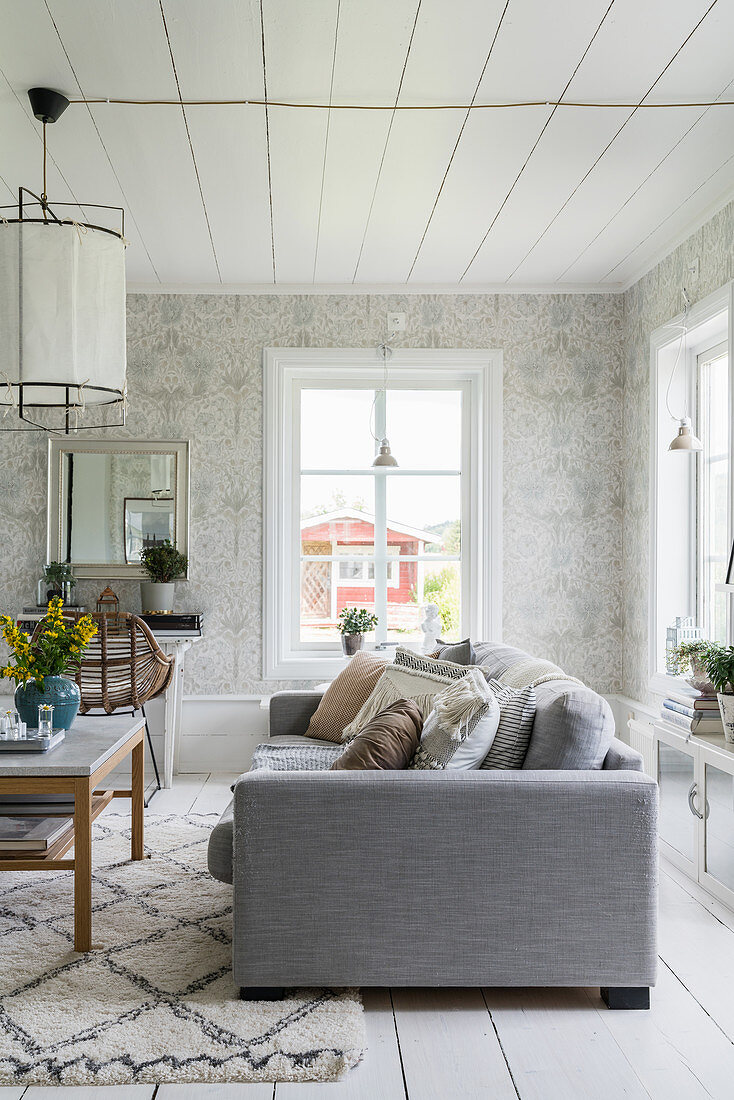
x=536, y=1044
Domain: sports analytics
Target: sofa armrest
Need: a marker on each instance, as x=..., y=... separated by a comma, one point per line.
x=291, y=711
x=621, y=757
x=445, y=878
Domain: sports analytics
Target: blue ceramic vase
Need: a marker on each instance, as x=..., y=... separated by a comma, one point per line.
x=62, y=693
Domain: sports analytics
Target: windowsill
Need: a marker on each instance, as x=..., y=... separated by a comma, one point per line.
x=662, y=682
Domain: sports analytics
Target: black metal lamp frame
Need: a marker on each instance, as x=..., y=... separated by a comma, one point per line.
x=25, y=389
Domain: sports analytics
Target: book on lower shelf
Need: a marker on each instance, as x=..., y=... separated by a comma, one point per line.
x=32, y=834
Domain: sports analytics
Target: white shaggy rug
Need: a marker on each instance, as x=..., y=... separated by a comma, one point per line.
x=154, y=1001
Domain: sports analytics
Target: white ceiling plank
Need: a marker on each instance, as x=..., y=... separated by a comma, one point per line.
x=120, y=51
x=536, y=53
x=299, y=51
x=701, y=205
x=229, y=141
x=380, y=30
x=563, y=159
x=643, y=144
x=665, y=200
x=449, y=50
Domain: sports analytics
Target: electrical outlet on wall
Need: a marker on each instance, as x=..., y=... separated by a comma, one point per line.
x=396, y=322
x=694, y=268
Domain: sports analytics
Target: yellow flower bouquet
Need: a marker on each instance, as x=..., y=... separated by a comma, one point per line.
x=57, y=650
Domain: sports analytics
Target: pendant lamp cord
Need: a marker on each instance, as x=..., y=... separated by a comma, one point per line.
x=385, y=351
x=684, y=332
x=44, y=197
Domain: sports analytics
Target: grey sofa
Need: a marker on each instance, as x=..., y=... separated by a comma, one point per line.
x=545, y=876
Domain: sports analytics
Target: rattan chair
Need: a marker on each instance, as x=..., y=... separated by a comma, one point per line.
x=123, y=666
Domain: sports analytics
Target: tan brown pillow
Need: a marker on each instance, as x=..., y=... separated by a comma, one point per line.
x=388, y=742
x=345, y=697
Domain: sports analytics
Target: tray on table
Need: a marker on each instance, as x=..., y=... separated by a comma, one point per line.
x=33, y=744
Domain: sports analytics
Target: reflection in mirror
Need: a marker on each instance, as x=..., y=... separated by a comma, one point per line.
x=113, y=500
x=109, y=505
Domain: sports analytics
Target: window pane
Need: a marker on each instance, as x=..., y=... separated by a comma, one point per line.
x=425, y=514
x=335, y=429
x=713, y=482
x=424, y=428
x=339, y=511
x=421, y=583
x=327, y=587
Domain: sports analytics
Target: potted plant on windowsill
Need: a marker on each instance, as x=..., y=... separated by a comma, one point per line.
x=690, y=657
x=354, y=623
x=41, y=668
x=719, y=662
x=164, y=564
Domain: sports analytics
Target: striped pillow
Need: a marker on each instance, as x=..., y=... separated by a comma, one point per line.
x=517, y=714
x=345, y=697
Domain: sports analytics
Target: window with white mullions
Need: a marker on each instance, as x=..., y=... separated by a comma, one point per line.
x=340, y=532
x=712, y=384
x=387, y=539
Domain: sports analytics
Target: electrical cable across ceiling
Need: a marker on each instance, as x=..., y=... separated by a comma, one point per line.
x=511, y=105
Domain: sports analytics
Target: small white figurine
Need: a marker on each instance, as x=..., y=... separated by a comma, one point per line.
x=431, y=627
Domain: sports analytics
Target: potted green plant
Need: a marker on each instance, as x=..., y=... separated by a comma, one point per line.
x=354, y=623
x=164, y=564
x=690, y=657
x=41, y=668
x=719, y=662
x=57, y=581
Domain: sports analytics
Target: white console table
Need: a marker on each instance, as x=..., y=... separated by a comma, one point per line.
x=175, y=645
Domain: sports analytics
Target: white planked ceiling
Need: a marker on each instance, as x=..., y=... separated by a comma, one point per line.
x=248, y=196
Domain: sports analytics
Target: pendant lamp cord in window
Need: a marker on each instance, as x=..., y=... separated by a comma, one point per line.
x=385, y=351
x=683, y=326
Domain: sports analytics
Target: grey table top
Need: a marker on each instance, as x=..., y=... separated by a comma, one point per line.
x=90, y=742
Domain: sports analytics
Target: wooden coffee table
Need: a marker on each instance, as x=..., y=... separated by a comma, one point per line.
x=89, y=752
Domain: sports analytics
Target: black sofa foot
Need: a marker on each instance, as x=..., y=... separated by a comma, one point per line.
x=637, y=996
x=262, y=992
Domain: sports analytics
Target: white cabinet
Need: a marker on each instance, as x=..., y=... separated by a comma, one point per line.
x=696, y=821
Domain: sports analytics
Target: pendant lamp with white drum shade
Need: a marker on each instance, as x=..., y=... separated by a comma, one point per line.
x=62, y=310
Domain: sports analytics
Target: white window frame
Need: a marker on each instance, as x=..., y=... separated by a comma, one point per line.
x=479, y=373
x=673, y=496
x=704, y=356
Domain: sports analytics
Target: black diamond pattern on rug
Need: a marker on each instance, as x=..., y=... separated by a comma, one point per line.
x=154, y=1000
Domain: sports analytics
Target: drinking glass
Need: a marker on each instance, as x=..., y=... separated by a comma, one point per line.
x=45, y=719
x=13, y=719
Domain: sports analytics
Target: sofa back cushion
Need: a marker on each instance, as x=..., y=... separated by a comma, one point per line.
x=573, y=729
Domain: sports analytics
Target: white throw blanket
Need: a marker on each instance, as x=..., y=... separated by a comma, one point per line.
x=531, y=672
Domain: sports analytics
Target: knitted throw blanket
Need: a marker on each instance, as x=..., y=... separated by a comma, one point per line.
x=294, y=758
x=532, y=672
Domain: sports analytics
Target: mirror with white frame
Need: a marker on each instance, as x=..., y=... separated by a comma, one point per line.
x=108, y=499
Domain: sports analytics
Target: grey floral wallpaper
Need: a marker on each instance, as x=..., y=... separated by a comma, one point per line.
x=652, y=301
x=195, y=373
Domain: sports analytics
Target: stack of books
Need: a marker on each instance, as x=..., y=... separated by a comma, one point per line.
x=181, y=623
x=691, y=711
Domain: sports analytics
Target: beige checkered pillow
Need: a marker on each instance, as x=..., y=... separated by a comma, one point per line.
x=345, y=697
